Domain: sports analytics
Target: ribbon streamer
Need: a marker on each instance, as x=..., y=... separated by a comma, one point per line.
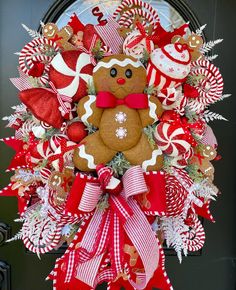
x=108, y=226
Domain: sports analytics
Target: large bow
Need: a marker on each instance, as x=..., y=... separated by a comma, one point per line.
x=107, y=229
x=134, y=101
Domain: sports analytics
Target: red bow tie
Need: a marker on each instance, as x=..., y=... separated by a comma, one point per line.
x=134, y=101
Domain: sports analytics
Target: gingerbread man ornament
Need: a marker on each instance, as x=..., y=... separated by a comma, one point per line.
x=120, y=111
x=203, y=160
x=61, y=37
x=194, y=43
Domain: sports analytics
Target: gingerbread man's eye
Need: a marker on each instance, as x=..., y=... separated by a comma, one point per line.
x=128, y=73
x=113, y=72
x=50, y=27
x=197, y=41
x=45, y=30
x=193, y=38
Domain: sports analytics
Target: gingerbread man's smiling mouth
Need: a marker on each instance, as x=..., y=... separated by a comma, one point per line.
x=51, y=34
x=191, y=45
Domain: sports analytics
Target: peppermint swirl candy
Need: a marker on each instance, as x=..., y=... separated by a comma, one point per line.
x=137, y=50
x=35, y=51
x=171, y=139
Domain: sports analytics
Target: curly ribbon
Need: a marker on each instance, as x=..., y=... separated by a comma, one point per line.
x=107, y=228
x=142, y=36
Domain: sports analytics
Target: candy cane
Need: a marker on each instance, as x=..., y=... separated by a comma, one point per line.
x=33, y=51
x=150, y=15
x=213, y=77
x=195, y=238
x=141, y=4
x=129, y=15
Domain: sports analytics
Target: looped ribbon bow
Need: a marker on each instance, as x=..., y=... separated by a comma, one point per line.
x=108, y=226
x=90, y=50
x=64, y=101
x=143, y=35
x=134, y=101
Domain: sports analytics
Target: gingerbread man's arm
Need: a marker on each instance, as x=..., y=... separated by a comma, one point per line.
x=88, y=112
x=153, y=113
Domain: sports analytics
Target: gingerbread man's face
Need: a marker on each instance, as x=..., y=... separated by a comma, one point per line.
x=194, y=41
x=50, y=30
x=121, y=75
x=209, y=152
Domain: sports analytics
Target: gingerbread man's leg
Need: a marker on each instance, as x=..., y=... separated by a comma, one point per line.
x=92, y=152
x=143, y=154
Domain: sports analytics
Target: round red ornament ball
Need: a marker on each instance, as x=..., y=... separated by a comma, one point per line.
x=76, y=132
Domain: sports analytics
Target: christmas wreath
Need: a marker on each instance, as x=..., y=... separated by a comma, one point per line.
x=113, y=148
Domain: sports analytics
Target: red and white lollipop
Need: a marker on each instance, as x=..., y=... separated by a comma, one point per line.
x=168, y=66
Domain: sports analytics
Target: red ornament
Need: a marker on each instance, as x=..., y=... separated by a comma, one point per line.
x=190, y=92
x=37, y=70
x=76, y=132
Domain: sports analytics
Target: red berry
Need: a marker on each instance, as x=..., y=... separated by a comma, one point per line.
x=76, y=132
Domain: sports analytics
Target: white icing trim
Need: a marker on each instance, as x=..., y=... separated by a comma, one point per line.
x=88, y=110
x=86, y=156
x=121, y=63
x=151, y=161
x=152, y=110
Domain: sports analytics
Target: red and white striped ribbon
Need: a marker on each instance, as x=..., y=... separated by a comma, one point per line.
x=116, y=244
x=82, y=48
x=134, y=182
x=22, y=83
x=148, y=251
x=90, y=197
x=110, y=36
x=69, y=272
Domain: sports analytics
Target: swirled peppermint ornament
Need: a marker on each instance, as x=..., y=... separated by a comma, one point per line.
x=168, y=66
x=40, y=152
x=34, y=61
x=70, y=72
x=210, y=87
x=55, y=141
x=169, y=97
x=180, y=104
x=195, y=238
x=171, y=139
x=136, y=50
x=182, y=160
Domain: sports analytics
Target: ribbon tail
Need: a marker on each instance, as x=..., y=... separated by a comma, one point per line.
x=138, y=230
x=116, y=245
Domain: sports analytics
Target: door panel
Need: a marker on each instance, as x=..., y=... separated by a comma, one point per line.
x=214, y=269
